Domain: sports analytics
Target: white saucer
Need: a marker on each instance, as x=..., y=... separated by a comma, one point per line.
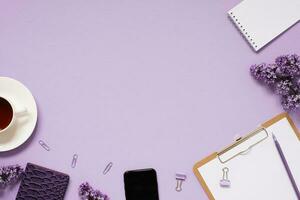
x=23, y=128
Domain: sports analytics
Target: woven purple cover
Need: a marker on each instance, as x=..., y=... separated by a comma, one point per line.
x=39, y=183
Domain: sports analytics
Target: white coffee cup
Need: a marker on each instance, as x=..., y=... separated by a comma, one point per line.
x=9, y=114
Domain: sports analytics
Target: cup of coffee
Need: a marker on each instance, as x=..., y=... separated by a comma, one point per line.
x=9, y=114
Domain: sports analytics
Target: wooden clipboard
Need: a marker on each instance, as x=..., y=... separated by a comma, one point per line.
x=215, y=154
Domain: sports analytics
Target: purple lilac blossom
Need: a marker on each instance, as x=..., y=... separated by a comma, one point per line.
x=288, y=65
x=257, y=71
x=86, y=192
x=291, y=102
x=283, y=87
x=265, y=73
x=283, y=77
x=10, y=174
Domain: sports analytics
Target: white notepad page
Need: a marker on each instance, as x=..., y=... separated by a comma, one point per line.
x=260, y=174
x=260, y=21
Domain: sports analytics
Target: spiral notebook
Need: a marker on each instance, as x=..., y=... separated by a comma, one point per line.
x=261, y=21
x=255, y=168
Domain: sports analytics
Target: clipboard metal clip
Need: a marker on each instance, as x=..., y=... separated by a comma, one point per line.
x=240, y=141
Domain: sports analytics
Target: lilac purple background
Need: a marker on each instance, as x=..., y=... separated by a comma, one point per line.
x=156, y=83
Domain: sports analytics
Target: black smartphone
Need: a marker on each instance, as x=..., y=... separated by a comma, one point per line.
x=141, y=185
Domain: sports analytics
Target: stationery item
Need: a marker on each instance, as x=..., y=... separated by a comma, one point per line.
x=282, y=76
x=9, y=115
x=225, y=182
x=262, y=21
x=74, y=160
x=180, y=179
x=44, y=145
x=237, y=137
x=42, y=184
x=87, y=192
x=141, y=185
x=20, y=128
x=256, y=170
x=285, y=163
x=107, y=168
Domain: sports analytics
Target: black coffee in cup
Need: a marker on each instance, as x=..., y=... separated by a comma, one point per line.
x=6, y=113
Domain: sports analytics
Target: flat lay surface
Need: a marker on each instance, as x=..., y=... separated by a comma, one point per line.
x=158, y=84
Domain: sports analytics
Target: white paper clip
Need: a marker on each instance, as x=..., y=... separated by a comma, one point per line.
x=107, y=168
x=44, y=145
x=74, y=160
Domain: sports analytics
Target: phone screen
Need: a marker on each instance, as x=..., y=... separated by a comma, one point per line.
x=141, y=185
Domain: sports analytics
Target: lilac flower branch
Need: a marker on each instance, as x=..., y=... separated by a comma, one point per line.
x=86, y=192
x=10, y=175
x=283, y=77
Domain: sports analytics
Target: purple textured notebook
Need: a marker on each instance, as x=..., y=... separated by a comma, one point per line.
x=40, y=183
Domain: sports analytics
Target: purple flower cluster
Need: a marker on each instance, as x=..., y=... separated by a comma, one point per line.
x=86, y=192
x=284, y=77
x=10, y=174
